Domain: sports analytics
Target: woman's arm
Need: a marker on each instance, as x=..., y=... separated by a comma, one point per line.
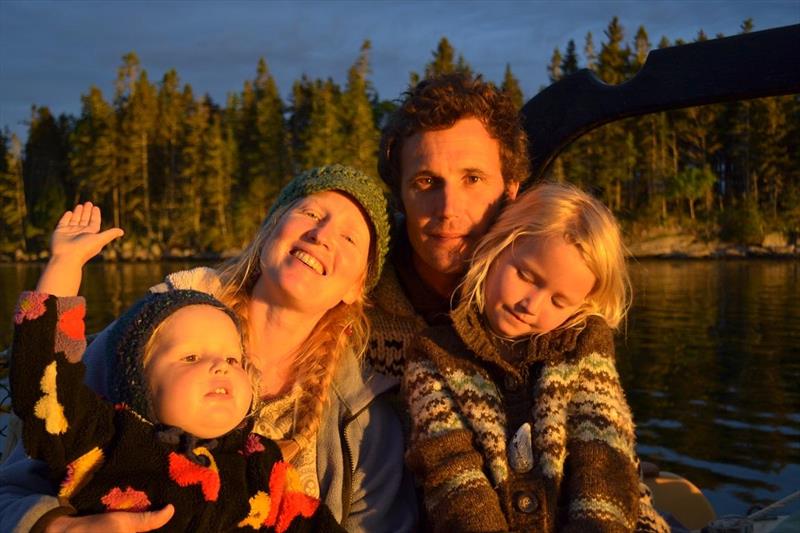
x=383, y=497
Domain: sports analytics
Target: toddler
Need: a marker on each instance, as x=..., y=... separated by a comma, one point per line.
x=179, y=433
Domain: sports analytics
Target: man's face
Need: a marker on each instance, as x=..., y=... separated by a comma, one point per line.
x=451, y=187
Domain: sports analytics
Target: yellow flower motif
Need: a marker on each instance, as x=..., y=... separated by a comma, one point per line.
x=79, y=470
x=260, y=505
x=48, y=408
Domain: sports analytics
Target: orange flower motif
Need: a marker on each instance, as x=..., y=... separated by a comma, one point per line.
x=71, y=322
x=126, y=500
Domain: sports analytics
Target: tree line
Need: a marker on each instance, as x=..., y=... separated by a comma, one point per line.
x=185, y=175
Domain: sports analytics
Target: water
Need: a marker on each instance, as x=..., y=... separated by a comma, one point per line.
x=710, y=363
x=711, y=366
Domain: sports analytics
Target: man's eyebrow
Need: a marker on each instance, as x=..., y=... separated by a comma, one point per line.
x=474, y=170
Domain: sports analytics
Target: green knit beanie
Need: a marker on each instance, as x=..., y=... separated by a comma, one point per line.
x=371, y=194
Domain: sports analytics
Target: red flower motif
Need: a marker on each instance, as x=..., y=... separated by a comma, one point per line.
x=185, y=472
x=71, y=322
x=30, y=306
x=126, y=500
x=287, y=502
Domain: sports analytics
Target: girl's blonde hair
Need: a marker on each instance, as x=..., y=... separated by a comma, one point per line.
x=341, y=328
x=558, y=210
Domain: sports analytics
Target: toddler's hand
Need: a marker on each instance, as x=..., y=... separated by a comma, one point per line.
x=77, y=237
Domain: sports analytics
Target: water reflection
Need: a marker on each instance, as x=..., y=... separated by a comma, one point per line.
x=711, y=367
x=710, y=363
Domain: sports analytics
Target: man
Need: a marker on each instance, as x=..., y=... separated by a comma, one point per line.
x=452, y=154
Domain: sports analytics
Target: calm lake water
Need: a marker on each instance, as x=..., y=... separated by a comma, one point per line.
x=710, y=362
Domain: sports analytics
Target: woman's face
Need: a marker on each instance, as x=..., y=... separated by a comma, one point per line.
x=317, y=255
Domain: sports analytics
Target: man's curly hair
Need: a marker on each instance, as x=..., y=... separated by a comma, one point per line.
x=437, y=103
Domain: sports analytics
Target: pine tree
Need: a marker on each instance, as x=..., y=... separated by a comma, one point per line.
x=616, y=151
x=443, y=61
x=360, y=133
x=187, y=212
x=12, y=196
x=511, y=87
x=44, y=173
x=302, y=102
x=325, y=142
x=263, y=151
x=93, y=155
x=569, y=65
x=642, y=43
x=613, y=59
x=554, y=69
x=770, y=149
x=263, y=147
x=166, y=149
x=589, y=52
x=136, y=107
x=216, y=187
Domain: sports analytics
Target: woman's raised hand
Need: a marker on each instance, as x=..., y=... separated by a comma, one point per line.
x=76, y=239
x=77, y=235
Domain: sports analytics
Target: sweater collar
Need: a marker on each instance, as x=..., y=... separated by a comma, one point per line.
x=476, y=335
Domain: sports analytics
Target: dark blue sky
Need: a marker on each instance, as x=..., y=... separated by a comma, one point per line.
x=52, y=51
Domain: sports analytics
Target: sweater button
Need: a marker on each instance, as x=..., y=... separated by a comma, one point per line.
x=525, y=502
x=511, y=383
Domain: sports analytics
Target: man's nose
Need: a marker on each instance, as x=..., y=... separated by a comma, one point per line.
x=451, y=200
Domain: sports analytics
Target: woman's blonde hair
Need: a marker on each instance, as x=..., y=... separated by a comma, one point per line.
x=341, y=328
x=557, y=210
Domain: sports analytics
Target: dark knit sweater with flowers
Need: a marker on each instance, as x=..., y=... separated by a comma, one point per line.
x=543, y=443
x=106, y=457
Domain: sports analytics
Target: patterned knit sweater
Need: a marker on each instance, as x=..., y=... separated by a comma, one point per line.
x=107, y=458
x=394, y=324
x=544, y=444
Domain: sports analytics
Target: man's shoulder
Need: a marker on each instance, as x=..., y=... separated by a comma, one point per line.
x=393, y=325
x=389, y=298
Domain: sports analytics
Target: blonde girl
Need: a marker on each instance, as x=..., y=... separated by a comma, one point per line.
x=519, y=419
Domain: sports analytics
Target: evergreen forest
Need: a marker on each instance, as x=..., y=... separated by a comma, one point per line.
x=187, y=176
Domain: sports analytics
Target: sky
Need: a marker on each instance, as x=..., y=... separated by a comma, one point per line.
x=51, y=52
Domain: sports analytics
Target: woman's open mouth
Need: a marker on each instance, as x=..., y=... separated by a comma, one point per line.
x=309, y=260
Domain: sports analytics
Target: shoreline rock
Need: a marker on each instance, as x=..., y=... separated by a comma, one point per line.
x=663, y=244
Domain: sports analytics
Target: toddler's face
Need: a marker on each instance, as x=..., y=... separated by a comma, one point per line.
x=534, y=285
x=195, y=374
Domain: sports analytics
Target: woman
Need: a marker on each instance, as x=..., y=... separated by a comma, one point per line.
x=299, y=289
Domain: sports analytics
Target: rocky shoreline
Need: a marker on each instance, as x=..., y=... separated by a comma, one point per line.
x=686, y=246
x=661, y=243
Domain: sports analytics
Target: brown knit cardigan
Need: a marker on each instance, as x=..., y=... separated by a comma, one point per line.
x=581, y=471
